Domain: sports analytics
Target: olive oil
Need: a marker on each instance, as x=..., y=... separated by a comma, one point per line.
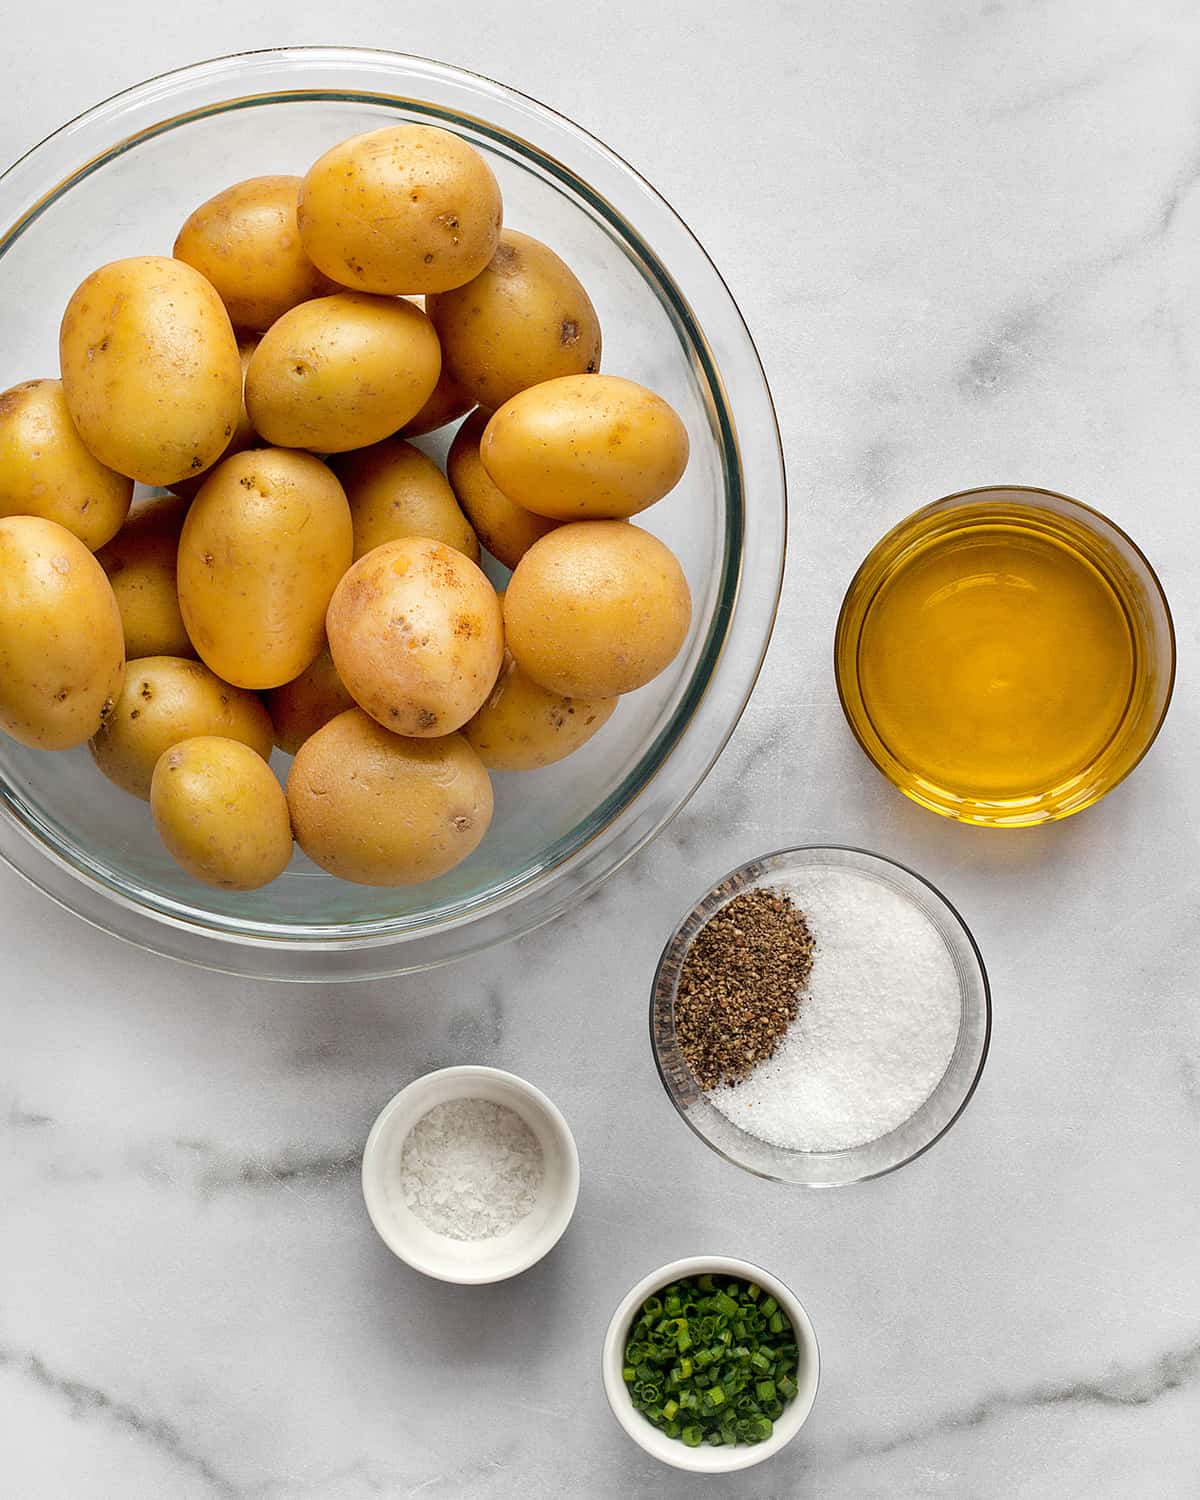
x=992, y=657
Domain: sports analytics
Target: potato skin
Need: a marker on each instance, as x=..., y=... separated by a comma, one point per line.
x=150, y=368
x=165, y=699
x=342, y=372
x=221, y=813
x=244, y=435
x=246, y=241
x=300, y=707
x=62, y=655
x=585, y=447
x=505, y=528
x=46, y=471
x=262, y=549
x=523, y=727
x=377, y=809
x=140, y=564
x=408, y=208
x=596, y=609
x=523, y=320
x=447, y=403
x=417, y=636
x=394, y=490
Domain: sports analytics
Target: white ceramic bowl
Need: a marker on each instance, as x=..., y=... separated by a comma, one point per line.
x=707, y=1460
x=470, y=1262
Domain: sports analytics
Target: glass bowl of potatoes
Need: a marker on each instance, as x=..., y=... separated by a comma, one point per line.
x=255, y=312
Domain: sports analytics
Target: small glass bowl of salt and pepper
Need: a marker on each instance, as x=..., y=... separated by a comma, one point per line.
x=470, y=1175
x=821, y=1016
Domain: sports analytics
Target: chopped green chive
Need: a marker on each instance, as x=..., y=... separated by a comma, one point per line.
x=713, y=1364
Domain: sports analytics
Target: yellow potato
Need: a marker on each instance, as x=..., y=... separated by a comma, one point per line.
x=300, y=707
x=262, y=549
x=247, y=243
x=163, y=700
x=150, y=368
x=221, y=813
x=61, y=652
x=585, y=447
x=417, y=636
x=140, y=563
x=505, y=528
x=447, y=404
x=596, y=609
x=244, y=435
x=523, y=320
x=523, y=727
x=341, y=372
x=46, y=471
x=409, y=208
x=395, y=491
x=377, y=809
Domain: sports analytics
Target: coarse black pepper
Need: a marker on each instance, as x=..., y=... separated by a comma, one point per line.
x=740, y=985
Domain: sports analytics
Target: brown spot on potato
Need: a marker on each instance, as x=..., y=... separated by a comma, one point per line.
x=426, y=719
x=505, y=258
x=461, y=822
x=568, y=333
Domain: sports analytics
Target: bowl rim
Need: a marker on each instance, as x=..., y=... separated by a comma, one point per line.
x=870, y=855
x=1089, y=513
x=384, y=1224
x=625, y=820
x=721, y=1460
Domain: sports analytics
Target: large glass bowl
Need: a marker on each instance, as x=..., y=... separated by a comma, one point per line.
x=119, y=180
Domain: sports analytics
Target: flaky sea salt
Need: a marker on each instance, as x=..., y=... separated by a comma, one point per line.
x=471, y=1169
x=875, y=1029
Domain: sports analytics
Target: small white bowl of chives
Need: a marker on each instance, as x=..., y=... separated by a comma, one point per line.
x=492, y=1217
x=711, y=1386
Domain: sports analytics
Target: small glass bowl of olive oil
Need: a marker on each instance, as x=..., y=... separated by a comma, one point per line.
x=1005, y=656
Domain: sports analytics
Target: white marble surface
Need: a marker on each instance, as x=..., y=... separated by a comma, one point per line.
x=967, y=238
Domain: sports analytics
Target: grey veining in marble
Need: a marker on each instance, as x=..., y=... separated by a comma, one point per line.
x=966, y=236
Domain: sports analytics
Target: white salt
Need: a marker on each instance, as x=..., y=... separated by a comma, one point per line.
x=875, y=1028
x=471, y=1169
